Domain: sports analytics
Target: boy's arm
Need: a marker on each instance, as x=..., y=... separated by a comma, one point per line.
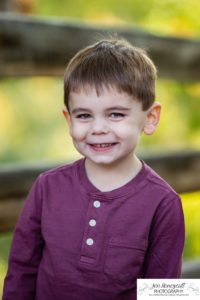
x=26, y=251
x=166, y=242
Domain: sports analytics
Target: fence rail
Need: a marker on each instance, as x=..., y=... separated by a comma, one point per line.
x=35, y=46
x=181, y=170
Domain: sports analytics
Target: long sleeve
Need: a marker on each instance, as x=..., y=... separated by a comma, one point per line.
x=167, y=235
x=26, y=250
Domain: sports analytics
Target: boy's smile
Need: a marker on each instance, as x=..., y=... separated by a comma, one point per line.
x=105, y=128
x=102, y=147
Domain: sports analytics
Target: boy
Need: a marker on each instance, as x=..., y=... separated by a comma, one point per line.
x=90, y=229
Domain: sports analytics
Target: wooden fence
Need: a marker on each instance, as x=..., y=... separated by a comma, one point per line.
x=31, y=46
x=181, y=170
x=34, y=46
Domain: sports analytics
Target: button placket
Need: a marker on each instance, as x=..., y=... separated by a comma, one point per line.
x=92, y=223
x=90, y=251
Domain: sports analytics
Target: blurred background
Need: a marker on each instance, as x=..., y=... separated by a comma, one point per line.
x=33, y=129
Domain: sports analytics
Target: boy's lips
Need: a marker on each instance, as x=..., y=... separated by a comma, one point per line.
x=102, y=146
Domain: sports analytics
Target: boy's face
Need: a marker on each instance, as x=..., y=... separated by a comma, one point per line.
x=106, y=128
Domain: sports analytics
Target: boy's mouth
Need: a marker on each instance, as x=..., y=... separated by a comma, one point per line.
x=102, y=146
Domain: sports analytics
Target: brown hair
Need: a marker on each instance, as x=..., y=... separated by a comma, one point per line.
x=112, y=63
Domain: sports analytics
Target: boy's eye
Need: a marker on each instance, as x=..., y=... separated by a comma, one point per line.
x=83, y=116
x=117, y=115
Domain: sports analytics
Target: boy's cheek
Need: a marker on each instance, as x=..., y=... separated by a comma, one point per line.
x=127, y=131
x=77, y=132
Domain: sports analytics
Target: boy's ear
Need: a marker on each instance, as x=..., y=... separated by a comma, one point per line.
x=67, y=116
x=152, y=118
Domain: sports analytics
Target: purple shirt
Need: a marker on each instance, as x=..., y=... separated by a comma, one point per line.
x=73, y=242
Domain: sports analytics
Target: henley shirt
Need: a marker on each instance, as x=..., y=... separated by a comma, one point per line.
x=74, y=242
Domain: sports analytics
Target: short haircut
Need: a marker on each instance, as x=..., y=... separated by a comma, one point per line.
x=112, y=63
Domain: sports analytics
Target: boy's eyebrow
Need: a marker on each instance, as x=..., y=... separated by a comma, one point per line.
x=79, y=110
x=87, y=110
x=119, y=108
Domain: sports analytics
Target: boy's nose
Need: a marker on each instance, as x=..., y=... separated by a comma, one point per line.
x=99, y=126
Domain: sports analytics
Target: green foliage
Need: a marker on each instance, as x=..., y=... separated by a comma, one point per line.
x=191, y=207
x=176, y=17
x=30, y=109
x=33, y=126
x=5, y=242
x=179, y=126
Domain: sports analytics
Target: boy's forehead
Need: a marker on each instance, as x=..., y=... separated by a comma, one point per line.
x=109, y=97
x=98, y=91
x=88, y=89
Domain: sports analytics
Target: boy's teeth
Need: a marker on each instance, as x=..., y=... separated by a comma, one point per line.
x=102, y=145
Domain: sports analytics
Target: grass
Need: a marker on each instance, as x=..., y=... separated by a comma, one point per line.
x=191, y=207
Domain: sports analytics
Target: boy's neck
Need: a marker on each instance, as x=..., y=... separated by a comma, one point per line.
x=109, y=177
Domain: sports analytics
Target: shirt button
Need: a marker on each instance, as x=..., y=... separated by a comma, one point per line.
x=97, y=204
x=89, y=242
x=92, y=222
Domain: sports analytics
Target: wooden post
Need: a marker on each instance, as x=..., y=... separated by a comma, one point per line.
x=22, y=6
x=7, y=5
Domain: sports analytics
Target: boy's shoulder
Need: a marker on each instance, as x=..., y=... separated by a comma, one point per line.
x=155, y=182
x=63, y=170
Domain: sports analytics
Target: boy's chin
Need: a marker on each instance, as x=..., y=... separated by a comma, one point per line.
x=103, y=161
x=99, y=161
